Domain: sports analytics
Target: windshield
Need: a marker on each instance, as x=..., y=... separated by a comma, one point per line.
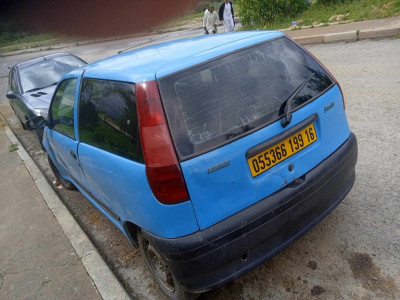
x=213, y=103
x=47, y=72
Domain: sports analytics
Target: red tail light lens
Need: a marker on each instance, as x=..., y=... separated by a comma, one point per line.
x=162, y=168
x=323, y=67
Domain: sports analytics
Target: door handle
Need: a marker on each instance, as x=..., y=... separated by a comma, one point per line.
x=72, y=154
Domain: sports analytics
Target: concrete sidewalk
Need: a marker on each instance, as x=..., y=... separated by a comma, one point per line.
x=44, y=254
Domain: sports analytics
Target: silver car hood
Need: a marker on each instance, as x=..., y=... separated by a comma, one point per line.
x=40, y=98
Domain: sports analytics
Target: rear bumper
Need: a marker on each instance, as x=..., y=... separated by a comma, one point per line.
x=230, y=248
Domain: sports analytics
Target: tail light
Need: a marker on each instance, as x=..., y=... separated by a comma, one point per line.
x=162, y=168
x=322, y=66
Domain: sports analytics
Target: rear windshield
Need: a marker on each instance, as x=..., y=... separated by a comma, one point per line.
x=221, y=100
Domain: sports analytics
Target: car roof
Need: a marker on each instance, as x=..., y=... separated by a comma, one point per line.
x=40, y=58
x=159, y=60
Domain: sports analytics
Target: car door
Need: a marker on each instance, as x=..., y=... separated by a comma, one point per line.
x=17, y=103
x=109, y=148
x=61, y=136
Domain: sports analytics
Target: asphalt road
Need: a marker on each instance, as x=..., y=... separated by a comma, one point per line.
x=354, y=253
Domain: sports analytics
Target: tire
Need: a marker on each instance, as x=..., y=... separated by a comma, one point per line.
x=39, y=136
x=22, y=124
x=65, y=183
x=160, y=271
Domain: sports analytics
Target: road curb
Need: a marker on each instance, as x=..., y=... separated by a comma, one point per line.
x=379, y=33
x=102, y=277
x=310, y=40
x=349, y=36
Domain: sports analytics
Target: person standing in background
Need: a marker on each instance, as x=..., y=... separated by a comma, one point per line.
x=210, y=20
x=226, y=14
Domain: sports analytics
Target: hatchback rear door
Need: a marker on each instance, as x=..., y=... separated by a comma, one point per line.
x=225, y=118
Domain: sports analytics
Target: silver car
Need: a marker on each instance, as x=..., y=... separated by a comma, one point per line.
x=31, y=84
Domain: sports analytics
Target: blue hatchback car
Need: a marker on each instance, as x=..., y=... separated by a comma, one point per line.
x=211, y=154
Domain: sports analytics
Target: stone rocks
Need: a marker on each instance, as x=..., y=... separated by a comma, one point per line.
x=338, y=18
x=333, y=18
x=294, y=27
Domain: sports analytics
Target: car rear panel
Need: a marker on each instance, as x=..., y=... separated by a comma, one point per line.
x=226, y=250
x=226, y=112
x=220, y=183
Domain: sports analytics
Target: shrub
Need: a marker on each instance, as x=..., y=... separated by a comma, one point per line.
x=263, y=12
x=332, y=1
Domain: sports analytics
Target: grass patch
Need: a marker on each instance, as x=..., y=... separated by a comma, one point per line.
x=8, y=38
x=23, y=41
x=358, y=10
x=191, y=17
x=180, y=23
x=12, y=148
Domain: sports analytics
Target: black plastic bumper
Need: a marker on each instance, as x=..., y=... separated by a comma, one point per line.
x=221, y=253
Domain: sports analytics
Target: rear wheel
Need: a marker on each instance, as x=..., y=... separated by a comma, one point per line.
x=65, y=183
x=160, y=271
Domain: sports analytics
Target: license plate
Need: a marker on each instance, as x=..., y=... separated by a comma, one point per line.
x=268, y=158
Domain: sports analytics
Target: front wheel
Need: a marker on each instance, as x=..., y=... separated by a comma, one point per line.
x=22, y=123
x=38, y=133
x=160, y=271
x=65, y=183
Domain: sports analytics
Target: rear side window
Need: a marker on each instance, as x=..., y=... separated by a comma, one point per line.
x=108, y=117
x=213, y=103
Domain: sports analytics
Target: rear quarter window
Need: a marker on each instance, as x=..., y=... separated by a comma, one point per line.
x=223, y=99
x=108, y=117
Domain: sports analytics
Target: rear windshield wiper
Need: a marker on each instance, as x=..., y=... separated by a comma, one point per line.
x=286, y=107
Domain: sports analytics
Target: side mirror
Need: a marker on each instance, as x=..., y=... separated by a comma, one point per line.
x=36, y=123
x=11, y=95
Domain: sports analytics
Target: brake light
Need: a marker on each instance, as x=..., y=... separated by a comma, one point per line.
x=162, y=168
x=322, y=66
